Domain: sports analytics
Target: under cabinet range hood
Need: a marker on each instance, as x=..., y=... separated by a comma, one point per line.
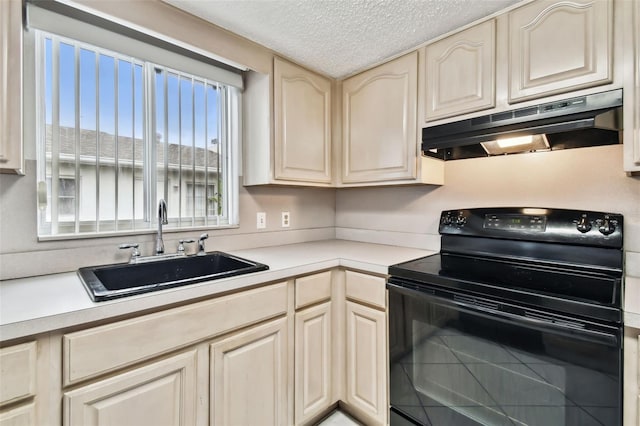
x=583, y=121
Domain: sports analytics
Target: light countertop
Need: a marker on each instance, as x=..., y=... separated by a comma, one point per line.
x=34, y=305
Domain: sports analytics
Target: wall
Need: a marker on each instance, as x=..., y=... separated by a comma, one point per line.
x=312, y=218
x=586, y=178
x=21, y=254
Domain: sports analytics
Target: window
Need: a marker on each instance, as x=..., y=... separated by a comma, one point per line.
x=203, y=198
x=66, y=202
x=132, y=131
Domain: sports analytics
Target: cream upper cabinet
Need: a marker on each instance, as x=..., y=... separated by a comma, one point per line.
x=460, y=72
x=313, y=362
x=161, y=393
x=559, y=46
x=302, y=112
x=632, y=90
x=249, y=377
x=287, y=127
x=11, y=155
x=379, y=140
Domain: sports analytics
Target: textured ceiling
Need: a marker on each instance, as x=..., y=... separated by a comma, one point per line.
x=340, y=37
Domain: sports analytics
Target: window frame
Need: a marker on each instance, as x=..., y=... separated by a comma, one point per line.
x=231, y=122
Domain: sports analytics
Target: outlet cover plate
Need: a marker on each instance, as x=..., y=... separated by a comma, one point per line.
x=286, y=219
x=261, y=220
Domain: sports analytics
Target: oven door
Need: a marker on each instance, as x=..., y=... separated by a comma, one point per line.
x=458, y=363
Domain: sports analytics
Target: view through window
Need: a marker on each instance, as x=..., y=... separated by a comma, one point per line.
x=117, y=134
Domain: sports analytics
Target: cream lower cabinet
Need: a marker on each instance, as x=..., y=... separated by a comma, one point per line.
x=161, y=393
x=366, y=347
x=313, y=347
x=366, y=365
x=154, y=369
x=249, y=377
x=559, y=46
x=312, y=362
x=256, y=357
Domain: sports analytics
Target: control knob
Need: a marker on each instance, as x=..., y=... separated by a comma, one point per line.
x=460, y=220
x=583, y=225
x=446, y=220
x=607, y=226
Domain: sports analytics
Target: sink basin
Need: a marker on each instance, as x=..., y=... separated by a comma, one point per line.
x=113, y=281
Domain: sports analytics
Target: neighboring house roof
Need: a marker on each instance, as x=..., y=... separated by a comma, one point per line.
x=129, y=149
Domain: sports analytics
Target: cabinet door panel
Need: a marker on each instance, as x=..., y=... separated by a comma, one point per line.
x=18, y=372
x=23, y=415
x=379, y=122
x=556, y=47
x=11, y=156
x=163, y=393
x=312, y=362
x=366, y=361
x=249, y=377
x=460, y=72
x=302, y=110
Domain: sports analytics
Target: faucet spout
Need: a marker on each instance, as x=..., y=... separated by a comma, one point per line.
x=162, y=220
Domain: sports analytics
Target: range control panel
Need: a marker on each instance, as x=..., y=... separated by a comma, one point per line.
x=515, y=222
x=536, y=224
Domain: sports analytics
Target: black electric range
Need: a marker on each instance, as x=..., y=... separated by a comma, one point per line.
x=540, y=287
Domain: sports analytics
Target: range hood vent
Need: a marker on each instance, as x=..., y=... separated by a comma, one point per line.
x=584, y=121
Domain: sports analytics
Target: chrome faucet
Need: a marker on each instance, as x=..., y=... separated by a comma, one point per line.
x=162, y=220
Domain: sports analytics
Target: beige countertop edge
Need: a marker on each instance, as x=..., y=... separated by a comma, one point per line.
x=36, y=305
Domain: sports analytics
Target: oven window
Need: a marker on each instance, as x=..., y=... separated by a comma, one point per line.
x=451, y=366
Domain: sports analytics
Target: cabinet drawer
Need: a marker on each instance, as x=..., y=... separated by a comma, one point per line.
x=313, y=289
x=98, y=350
x=18, y=372
x=365, y=288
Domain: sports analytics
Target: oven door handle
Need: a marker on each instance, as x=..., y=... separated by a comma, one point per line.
x=574, y=331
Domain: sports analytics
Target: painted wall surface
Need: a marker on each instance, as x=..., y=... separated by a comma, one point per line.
x=312, y=218
x=587, y=178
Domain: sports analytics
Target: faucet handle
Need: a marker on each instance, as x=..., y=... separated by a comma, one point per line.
x=201, y=250
x=135, y=253
x=181, y=244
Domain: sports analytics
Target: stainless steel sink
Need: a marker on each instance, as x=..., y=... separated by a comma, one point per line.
x=113, y=281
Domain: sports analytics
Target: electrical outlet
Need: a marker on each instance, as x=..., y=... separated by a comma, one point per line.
x=261, y=220
x=286, y=219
